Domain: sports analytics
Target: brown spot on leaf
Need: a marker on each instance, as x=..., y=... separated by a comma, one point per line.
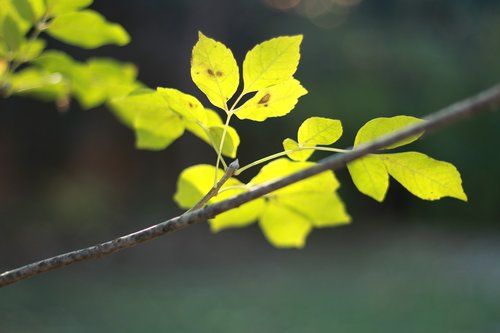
x=264, y=99
x=190, y=105
x=218, y=73
x=210, y=72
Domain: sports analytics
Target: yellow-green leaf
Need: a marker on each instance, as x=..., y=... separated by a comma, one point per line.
x=194, y=182
x=370, y=176
x=30, y=50
x=425, y=177
x=378, y=127
x=279, y=168
x=271, y=62
x=274, y=101
x=186, y=105
x=12, y=34
x=321, y=208
x=58, y=7
x=319, y=131
x=283, y=227
x=297, y=155
x=101, y=79
x=23, y=8
x=237, y=217
x=231, y=141
x=87, y=29
x=214, y=70
x=40, y=84
x=156, y=126
x=200, y=129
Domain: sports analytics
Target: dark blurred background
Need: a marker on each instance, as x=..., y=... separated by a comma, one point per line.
x=74, y=179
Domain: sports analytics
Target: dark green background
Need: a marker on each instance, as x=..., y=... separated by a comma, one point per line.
x=70, y=180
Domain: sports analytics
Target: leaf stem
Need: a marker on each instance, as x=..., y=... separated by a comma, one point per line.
x=286, y=152
x=212, y=143
x=221, y=145
x=231, y=169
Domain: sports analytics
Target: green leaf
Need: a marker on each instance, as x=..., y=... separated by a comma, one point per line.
x=231, y=141
x=12, y=34
x=214, y=70
x=379, y=127
x=424, y=177
x=275, y=101
x=319, y=131
x=30, y=50
x=101, y=79
x=200, y=129
x=38, y=9
x=282, y=167
x=58, y=7
x=284, y=228
x=87, y=29
x=271, y=62
x=40, y=84
x=185, y=105
x=23, y=8
x=156, y=126
x=370, y=176
x=194, y=182
x=298, y=155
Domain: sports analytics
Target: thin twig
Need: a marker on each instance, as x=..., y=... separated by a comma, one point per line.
x=482, y=102
x=231, y=169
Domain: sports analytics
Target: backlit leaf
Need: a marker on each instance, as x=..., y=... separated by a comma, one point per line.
x=424, y=177
x=156, y=126
x=58, y=7
x=284, y=228
x=298, y=155
x=87, y=29
x=279, y=168
x=231, y=141
x=196, y=181
x=319, y=131
x=271, y=62
x=370, y=176
x=186, y=105
x=200, y=129
x=101, y=79
x=12, y=34
x=275, y=101
x=378, y=127
x=214, y=70
x=40, y=84
x=23, y=8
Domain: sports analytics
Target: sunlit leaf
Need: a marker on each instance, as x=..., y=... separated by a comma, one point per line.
x=298, y=155
x=58, y=7
x=186, y=105
x=319, y=131
x=378, y=127
x=12, y=34
x=370, y=176
x=87, y=29
x=214, y=70
x=200, y=129
x=231, y=141
x=155, y=125
x=425, y=177
x=23, y=8
x=196, y=181
x=275, y=101
x=101, y=79
x=30, y=50
x=271, y=62
x=284, y=228
x=40, y=84
x=279, y=168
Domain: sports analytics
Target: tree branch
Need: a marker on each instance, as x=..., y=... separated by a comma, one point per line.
x=484, y=101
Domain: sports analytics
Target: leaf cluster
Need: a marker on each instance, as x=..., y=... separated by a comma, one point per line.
x=27, y=68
